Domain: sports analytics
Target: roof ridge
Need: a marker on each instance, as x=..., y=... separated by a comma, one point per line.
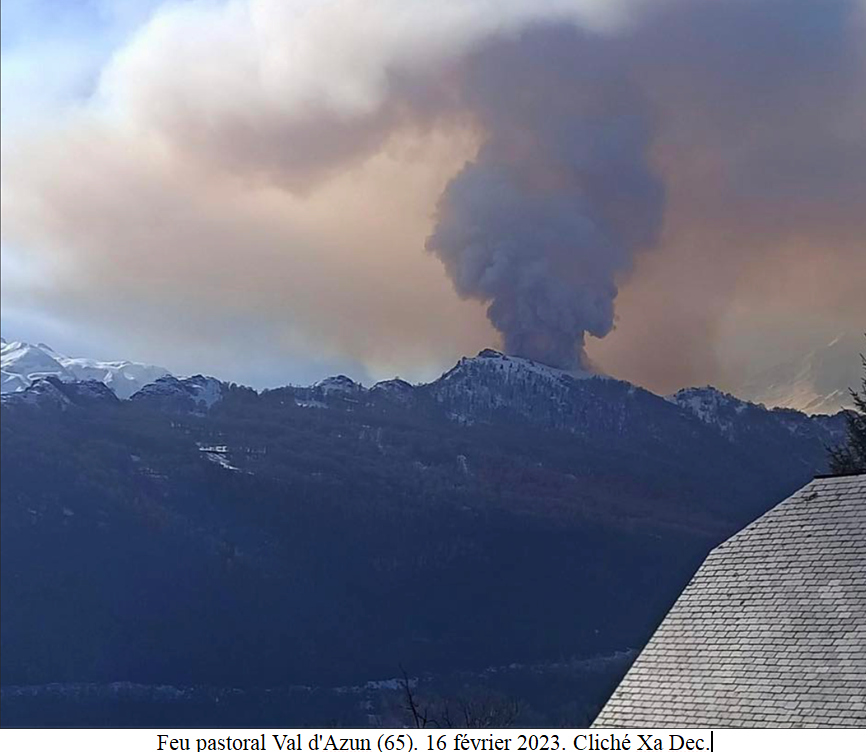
x=855, y=474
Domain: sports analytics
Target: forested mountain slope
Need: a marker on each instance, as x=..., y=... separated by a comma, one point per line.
x=203, y=534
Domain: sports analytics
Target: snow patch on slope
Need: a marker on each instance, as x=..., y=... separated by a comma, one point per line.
x=205, y=391
x=219, y=456
x=338, y=385
x=510, y=368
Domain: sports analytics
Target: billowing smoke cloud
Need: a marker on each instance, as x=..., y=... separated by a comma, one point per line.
x=548, y=217
x=667, y=169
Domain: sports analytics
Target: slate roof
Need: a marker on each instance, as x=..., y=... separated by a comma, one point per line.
x=770, y=632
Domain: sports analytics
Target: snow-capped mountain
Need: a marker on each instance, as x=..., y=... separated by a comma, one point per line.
x=494, y=386
x=194, y=394
x=507, y=370
x=738, y=420
x=50, y=391
x=396, y=390
x=713, y=406
x=23, y=364
x=489, y=389
x=341, y=385
x=815, y=383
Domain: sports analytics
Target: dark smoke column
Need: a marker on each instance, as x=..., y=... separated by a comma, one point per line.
x=560, y=197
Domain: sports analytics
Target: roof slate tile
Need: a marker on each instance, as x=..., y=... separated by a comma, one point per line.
x=771, y=631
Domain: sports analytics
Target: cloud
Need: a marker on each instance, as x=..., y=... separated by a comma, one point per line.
x=269, y=173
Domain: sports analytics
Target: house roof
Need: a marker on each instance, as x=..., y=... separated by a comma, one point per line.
x=770, y=632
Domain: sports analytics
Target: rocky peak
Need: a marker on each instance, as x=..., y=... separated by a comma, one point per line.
x=338, y=385
x=51, y=391
x=196, y=393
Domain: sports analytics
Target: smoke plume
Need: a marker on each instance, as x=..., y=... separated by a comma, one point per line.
x=548, y=217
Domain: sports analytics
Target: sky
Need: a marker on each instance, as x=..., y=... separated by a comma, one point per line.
x=273, y=191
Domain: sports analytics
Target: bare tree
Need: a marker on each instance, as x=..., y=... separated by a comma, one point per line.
x=486, y=711
x=419, y=717
x=474, y=711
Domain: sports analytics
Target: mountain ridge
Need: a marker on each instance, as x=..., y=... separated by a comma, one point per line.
x=23, y=364
x=477, y=389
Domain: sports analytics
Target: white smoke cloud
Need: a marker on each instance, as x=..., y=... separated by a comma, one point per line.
x=292, y=91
